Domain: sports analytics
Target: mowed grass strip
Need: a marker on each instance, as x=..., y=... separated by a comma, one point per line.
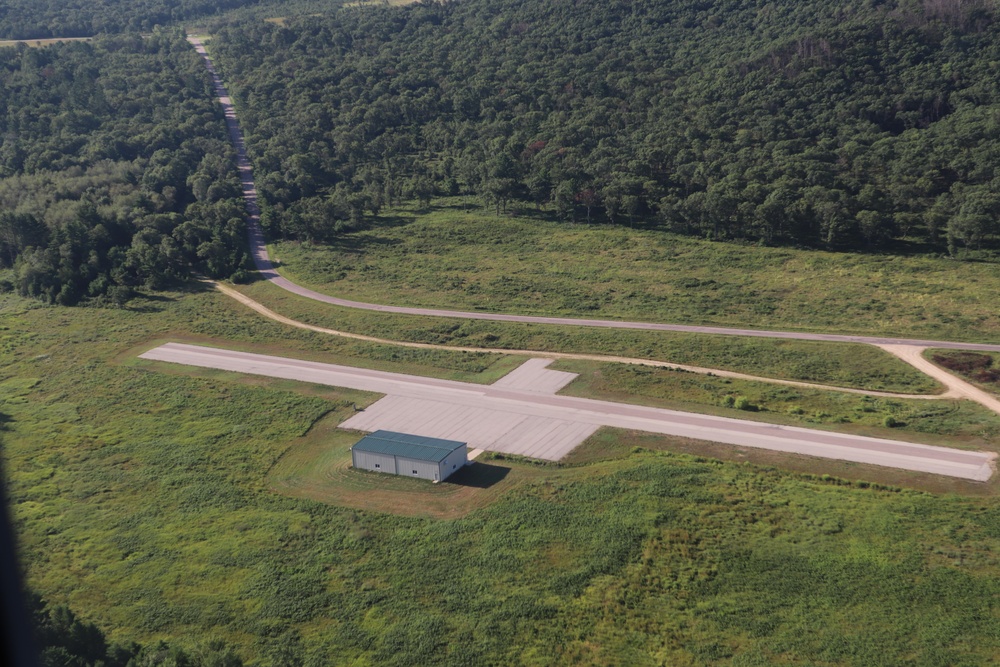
x=318, y=466
x=209, y=318
x=838, y=364
x=470, y=259
x=609, y=444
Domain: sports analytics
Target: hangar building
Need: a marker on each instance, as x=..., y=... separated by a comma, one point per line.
x=409, y=455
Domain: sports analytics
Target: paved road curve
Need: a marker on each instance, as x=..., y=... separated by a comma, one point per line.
x=263, y=262
x=510, y=398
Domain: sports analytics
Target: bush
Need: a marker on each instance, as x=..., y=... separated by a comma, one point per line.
x=240, y=277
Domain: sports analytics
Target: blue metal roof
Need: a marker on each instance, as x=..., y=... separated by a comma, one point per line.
x=408, y=446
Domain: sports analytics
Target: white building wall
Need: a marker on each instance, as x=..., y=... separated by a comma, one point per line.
x=372, y=461
x=424, y=469
x=453, y=462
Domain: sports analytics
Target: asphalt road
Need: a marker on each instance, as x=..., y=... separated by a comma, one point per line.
x=267, y=269
x=515, y=400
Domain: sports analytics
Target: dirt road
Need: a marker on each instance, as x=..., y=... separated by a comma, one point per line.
x=957, y=387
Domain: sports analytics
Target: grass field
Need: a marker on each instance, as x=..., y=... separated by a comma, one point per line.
x=144, y=499
x=845, y=365
x=455, y=258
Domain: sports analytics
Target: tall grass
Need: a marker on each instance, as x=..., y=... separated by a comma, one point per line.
x=141, y=498
x=469, y=259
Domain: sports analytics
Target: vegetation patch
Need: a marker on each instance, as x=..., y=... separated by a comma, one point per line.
x=145, y=501
x=122, y=179
x=983, y=368
x=839, y=364
x=451, y=257
x=826, y=124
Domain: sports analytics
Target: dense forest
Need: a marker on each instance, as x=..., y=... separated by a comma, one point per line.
x=39, y=19
x=115, y=169
x=845, y=125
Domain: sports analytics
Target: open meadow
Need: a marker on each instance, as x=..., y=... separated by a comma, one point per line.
x=176, y=503
x=471, y=259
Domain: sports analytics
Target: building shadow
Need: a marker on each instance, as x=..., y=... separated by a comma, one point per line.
x=478, y=475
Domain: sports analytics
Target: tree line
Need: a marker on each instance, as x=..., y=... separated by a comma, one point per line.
x=115, y=170
x=42, y=19
x=46, y=19
x=841, y=125
x=62, y=639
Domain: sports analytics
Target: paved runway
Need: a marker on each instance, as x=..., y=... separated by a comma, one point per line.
x=521, y=414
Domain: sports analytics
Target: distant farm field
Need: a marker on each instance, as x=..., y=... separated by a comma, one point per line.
x=472, y=259
x=42, y=42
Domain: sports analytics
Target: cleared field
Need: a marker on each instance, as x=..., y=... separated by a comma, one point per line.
x=453, y=258
x=147, y=500
x=42, y=42
x=952, y=423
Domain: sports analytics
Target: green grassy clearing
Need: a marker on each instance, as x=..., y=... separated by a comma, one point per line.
x=379, y=3
x=611, y=444
x=454, y=258
x=143, y=499
x=839, y=364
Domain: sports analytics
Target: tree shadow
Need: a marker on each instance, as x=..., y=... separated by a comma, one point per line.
x=256, y=276
x=387, y=221
x=478, y=475
x=155, y=297
x=5, y=420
